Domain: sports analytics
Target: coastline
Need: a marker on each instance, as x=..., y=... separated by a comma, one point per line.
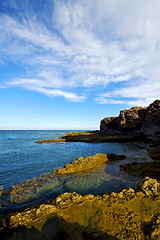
x=132, y=213
x=120, y=215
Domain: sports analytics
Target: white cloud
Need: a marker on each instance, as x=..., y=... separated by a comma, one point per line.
x=40, y=86
x=1, y=86
x=85, y=44
x=10, y=3
x=143, y=93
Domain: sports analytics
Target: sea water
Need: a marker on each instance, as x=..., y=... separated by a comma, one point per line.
x=21, y=158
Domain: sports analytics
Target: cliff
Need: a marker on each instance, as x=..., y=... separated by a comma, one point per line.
x=136, y=120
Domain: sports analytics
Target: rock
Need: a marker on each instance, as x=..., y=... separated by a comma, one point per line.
x=45, y=209
x=154, y=153
x=151, y=122
x=84, y=164
x=95, y=137
x=37, y=186
x=137, y=120
x=149, y=186
x=155, y=228
x=34, y=187
x=130, y=214
x=51, y=140
x=68, y=199
x=151, y=169
x=114, y=157
x=96, y=180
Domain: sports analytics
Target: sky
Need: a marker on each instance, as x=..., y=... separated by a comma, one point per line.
x=67, y=64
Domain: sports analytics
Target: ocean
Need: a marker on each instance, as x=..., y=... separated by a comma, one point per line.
x=21, y=159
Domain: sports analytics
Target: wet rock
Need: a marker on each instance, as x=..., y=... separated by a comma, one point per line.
x=45, y=209
x=154, y=153
x=50, y=140
x=114, y=157
x=67, y=199
x=149, y=186
x=34, y=187
x=96, y=137
x=84, y=164
x=87, y=182
x=151, y=169
x=123, y=215
x=90, y=162
x=155, y=228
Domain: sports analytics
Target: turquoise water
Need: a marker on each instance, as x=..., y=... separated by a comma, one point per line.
x=21, y=158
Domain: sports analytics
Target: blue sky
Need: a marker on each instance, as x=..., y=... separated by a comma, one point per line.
x=67, y=64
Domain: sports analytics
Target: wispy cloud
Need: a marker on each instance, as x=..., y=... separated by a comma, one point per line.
x=114, y=45
x=41, y=86
x=2, y=86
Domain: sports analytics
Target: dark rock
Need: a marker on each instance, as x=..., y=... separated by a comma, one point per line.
x=154, y=153
x=151, y=169
x=114, y=157
x=143, y=121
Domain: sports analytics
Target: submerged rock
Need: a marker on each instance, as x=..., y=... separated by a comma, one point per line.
x=34, y=187
x=94, y=181
x=130, y=214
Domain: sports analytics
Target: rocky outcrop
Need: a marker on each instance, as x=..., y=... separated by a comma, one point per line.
x=85, y=164
x=151, y=169
x=130, y=214
x=37, y=187
x=95, y=137
x=50, y=140
x=137, y=120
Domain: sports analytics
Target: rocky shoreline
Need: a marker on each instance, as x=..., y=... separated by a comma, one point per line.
x=130, y=214
x=97, y=137
x=36, y=186
x=134, y=124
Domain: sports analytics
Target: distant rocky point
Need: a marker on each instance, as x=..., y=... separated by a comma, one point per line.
x=134, y=124
x=136, y=120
